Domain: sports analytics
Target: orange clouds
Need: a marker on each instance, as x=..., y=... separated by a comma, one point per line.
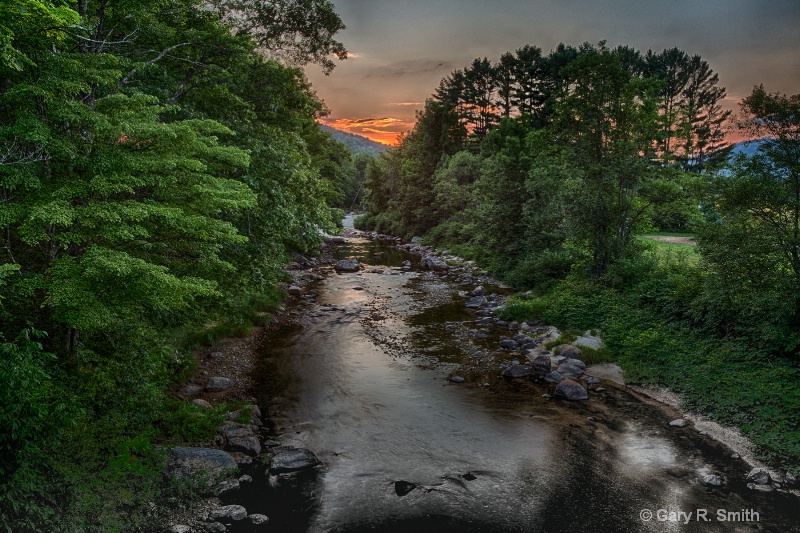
x=384, y=130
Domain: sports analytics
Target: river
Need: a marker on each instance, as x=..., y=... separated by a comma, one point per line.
x=363, y=382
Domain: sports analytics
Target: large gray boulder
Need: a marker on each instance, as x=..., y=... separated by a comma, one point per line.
x=569, y=370
x=517, y=371
x=347, y=265
x=571, y=390
x=554, y=377
x=290, y=459
x=218, y=384
x=433, y=263
x=568, y=350
x=476, y=302
x=759, y=476
x=249, y=445
x=542, y=365
x=197, y=462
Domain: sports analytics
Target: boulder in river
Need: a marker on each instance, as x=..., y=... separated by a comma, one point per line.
x=508, y=344
x=234, y=512
x=294, y=290
x=571, y=390
x=759, y=476
x=433, y=263
x=290, y=459
x=679, y=423
x=476, y=302
x=347, y=265
x=258, y=519
x=456, y=379
x=478, y=291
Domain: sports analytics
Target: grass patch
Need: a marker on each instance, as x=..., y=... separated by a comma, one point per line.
x=592, y=356
x=186, y=422
x=666, y=250
x=521, y=307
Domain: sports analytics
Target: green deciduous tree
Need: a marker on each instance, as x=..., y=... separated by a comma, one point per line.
x=608, y=119
x=753, y=250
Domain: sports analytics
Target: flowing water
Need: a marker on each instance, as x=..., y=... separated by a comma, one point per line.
x=363, y=383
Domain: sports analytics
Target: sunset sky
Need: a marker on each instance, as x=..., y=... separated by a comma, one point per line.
x=401, y=49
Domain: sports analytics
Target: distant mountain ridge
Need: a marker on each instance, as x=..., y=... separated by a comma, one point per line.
x=358, y=144
x=748, y=148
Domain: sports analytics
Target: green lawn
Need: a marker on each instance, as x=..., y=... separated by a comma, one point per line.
x=684, y=245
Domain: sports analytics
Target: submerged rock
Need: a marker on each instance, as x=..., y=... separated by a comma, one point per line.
x=290, y=459
x=258, y=519
x=234, y=512
x=347, y=265
x=401, y=488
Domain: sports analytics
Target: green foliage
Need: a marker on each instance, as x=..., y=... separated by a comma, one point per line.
x=522, y=307
x=151, y=190
x=186, y=422
x=31, y=409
